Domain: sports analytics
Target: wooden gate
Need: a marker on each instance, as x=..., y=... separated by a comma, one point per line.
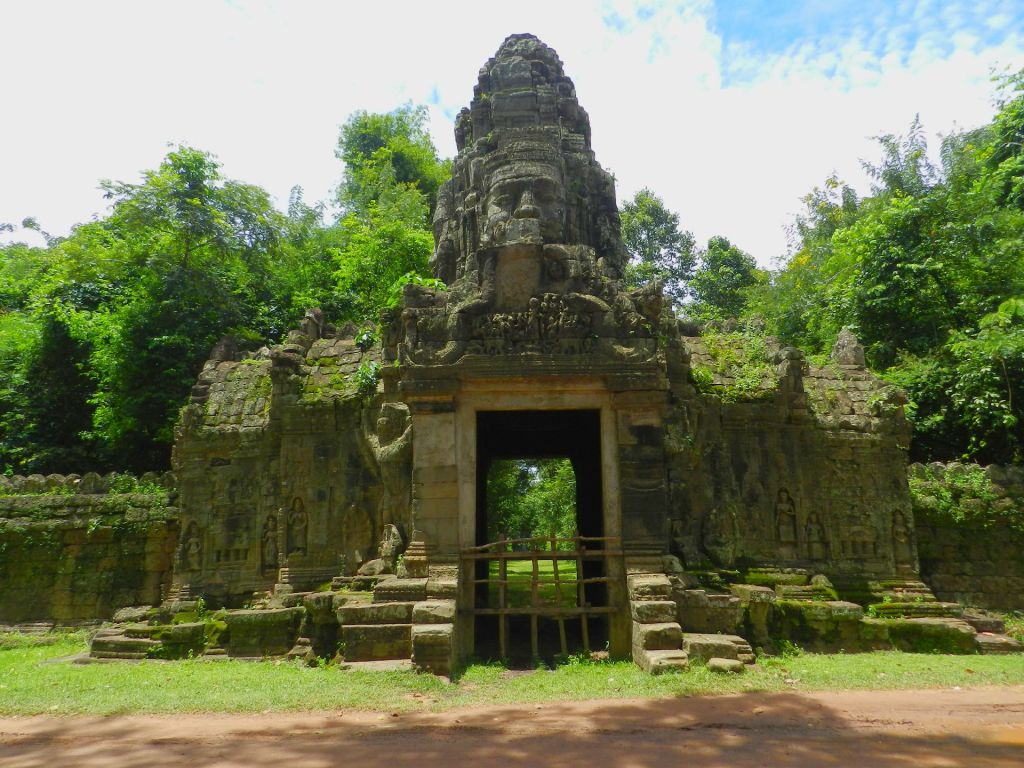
x=542, y=577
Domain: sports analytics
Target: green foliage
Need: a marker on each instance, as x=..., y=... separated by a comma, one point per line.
x=741, y=358
x=379, y=253
x=410, y=278
x=390, y=160
x=366, y=338
x=929, y=272
x=723, y=282
x=366, y=377
x=658, y=250
x=961, y=494
x=531, y=497
x=102, y=333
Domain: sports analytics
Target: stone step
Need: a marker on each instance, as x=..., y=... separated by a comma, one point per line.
x=34, y=628
x=374, y=642
x=653, y=611
x=432, y=647
x=120, y=645
x=916, y=610
x=355, y=583
x=649, y=586
x=984, y=621
x=434, y=612
x=702, y=646
x=802, y=592
x=375, y=613
x=658, y=662
x=395, y=590
x=141, y=630
x=992, y=644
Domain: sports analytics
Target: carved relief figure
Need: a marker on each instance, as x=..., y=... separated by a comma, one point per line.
x=387, y=553
x=268, y=543
x=817, y=546
x=357, y=535
x=785, y=522
x=191, y=548
x=390, y=543
x=298, y=524
x=719, y=534
x=390, y=444
x=902, y=538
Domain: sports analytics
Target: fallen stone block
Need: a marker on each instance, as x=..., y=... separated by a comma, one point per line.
x=724, y=666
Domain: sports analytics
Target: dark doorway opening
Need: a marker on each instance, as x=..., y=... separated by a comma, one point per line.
x=553, y=591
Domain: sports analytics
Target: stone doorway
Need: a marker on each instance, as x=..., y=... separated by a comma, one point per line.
x=546, y=593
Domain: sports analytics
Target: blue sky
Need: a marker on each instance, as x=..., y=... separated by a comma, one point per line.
x=731, y=111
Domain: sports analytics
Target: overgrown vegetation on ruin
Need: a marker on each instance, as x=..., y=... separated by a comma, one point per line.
x=740, y=369
x=32, y=682
x=961, y=494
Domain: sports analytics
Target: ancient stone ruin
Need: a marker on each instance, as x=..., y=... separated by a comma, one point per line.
x=331, y=489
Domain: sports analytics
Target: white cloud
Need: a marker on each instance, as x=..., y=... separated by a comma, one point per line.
x=729, y=137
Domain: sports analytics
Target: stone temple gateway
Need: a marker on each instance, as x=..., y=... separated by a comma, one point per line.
x=705, y=526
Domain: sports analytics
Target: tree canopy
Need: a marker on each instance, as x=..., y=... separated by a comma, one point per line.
x=103, y=332
x=658, y=249
x=929, y=272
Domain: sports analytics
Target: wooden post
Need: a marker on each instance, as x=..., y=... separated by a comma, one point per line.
x=502, y=595
x=581, y=596
x=558, y=594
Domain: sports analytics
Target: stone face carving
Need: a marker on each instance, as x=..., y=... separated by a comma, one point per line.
x=525, y=176
x=527, y=233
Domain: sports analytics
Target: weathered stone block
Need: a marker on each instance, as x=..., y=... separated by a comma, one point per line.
x=659, y=662
x=648, y=586
x=653, y=611
x=257, y=633
x=657, y=637
x=369, y=642
x=432, y=647
x=400, y=590
x=702, y=647
x=724, y=666
x=434, y=612
x=752, y=593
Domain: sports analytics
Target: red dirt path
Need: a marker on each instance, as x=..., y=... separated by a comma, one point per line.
x=970, y=727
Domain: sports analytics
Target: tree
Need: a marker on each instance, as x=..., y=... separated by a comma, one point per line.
x=531, y=498
x=658, y=249
x=376, y=254
x=722, y=282
x=390, y=158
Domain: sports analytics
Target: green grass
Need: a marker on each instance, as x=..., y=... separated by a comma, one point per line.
x=33, y=680
x=519, y=573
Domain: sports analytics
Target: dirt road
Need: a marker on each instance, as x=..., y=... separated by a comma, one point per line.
x=970, y=727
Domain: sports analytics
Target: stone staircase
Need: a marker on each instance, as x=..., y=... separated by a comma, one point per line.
x=399, y=622
x=657, y=636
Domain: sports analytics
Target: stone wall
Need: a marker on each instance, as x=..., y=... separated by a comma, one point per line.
x=970, y=532
x=69, y=556
x=290, y=464
x=778, y=462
